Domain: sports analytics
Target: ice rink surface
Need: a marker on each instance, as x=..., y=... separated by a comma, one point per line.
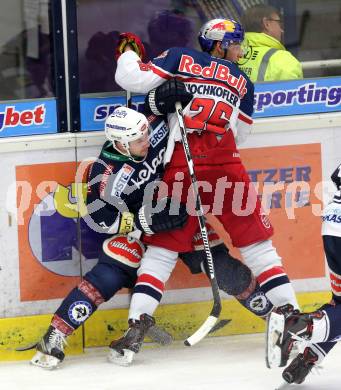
x=217, y=363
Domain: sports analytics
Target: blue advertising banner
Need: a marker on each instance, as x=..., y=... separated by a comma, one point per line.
x=94, y=110
x=28, y=118
x=296, y=97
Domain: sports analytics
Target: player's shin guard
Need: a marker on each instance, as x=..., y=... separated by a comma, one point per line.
x=267, y=267
x=146, y=296
x=254, y=300
x=80, y=303
x=233, y=277
x=156, y=267
x=77, y=307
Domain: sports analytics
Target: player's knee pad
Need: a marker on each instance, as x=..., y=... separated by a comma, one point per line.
x=107, y=279
x=233, y=276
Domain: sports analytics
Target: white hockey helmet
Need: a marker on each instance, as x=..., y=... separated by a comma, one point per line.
x=125, y=125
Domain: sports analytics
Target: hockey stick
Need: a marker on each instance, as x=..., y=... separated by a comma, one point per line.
x=128, y=99
x=216, y=309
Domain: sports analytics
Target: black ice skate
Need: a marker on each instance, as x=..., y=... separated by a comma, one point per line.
x=285, y=326
x=300, y=367
x=122, y=351
x=50, y=349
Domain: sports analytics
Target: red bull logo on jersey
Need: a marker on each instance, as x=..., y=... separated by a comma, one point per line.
x=12, y=118
x=214, y=70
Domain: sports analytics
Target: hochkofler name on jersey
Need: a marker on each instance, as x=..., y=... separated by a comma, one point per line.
x=213, y=90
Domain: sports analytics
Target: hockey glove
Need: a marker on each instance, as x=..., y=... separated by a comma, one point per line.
x=161, y=100
x=164, y=215
x=133, y=41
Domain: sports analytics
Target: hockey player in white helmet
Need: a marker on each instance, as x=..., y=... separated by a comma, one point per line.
x=128, y=130
x=117, y=169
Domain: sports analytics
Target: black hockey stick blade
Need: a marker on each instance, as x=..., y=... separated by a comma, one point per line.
x=207, y=325
x=26, y=348
x=219, y=325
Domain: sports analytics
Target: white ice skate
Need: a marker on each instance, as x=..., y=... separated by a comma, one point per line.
x=50, y=350
x=274, y=338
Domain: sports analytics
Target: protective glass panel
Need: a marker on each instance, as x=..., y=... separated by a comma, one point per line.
x=311, y=32
x=25, y=50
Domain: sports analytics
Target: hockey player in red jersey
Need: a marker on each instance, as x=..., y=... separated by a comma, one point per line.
x=218, y=117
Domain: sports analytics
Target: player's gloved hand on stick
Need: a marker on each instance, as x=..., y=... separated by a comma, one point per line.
x=161, y=100
x=134, y=43
x=160, y=216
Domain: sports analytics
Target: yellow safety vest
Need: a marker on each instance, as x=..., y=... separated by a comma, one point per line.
x=268, y=60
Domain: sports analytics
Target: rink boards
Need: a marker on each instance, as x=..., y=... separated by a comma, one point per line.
x=41, y=259
x=181, y=320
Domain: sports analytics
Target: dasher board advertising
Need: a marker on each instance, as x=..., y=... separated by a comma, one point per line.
x=297, y=97
x=28, y=118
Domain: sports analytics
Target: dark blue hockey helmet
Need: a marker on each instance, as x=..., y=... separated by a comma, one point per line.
x=226, y=31
x=336, y=177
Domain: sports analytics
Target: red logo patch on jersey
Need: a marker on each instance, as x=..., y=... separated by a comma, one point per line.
x=124, y=249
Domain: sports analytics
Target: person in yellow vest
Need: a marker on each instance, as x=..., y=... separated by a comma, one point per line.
x=266, y=58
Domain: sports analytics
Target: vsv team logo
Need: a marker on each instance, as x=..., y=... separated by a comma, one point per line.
x=12, y=117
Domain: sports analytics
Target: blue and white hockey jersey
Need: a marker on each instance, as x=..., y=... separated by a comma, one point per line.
x=117, y=184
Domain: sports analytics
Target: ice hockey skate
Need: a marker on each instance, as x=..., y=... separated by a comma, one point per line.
x=285, y=326
x=300, y=367
x=123, y=350
x=50, y=349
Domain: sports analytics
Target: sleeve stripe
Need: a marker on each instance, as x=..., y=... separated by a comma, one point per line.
x=161, y=72
x=245, y=118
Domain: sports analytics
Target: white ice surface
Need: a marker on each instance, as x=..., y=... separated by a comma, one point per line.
x=218, y=363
